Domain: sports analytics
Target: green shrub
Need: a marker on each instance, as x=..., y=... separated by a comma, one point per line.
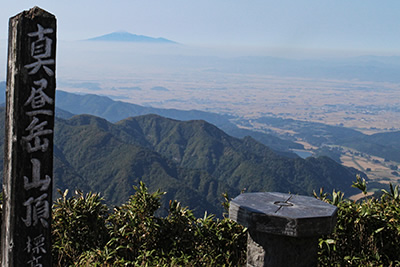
x=133, y=227
x=138, y=238
x=367, y=233
x=78, y=226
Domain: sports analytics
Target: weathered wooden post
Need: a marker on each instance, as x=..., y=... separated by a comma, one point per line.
x=28, y=152
x=283, y=229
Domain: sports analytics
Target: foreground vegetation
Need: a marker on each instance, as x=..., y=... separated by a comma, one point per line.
x=87, y=233
x=367, y=233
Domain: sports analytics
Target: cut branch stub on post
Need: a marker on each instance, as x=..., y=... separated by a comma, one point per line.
x=28, y=152
x=283, y=228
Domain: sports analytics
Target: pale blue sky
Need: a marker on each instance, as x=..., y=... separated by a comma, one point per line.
x=366, y=25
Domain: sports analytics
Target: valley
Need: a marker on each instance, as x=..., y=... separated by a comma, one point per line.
x=381, y=170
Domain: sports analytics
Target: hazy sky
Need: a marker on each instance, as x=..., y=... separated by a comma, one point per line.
x=363, y=25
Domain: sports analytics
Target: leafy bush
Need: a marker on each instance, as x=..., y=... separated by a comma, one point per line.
x=79, y=225
x=366, y=234
x=133, y=236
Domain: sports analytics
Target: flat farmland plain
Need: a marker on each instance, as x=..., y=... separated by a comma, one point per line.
x=366, y=106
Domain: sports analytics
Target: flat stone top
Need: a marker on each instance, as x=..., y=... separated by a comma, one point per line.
x=284, y=205
x=285, y=214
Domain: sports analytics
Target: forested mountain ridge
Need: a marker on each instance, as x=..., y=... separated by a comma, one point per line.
x=193, y=161
x=242, y=163
x=114, y=111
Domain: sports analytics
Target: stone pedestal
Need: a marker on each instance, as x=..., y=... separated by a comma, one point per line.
x=283, y=229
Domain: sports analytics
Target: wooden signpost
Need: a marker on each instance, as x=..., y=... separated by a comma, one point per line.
x=28, y=153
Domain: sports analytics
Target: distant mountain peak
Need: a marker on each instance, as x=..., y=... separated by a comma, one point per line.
x=123, y=36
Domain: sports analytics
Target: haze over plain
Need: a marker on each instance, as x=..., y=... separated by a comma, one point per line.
x=210, y=68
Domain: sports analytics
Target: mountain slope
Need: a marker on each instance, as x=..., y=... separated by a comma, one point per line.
x=242, y=163
x=111, y=166
x=385, y=145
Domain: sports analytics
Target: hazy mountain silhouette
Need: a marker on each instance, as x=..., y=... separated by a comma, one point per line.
x=129, y=37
